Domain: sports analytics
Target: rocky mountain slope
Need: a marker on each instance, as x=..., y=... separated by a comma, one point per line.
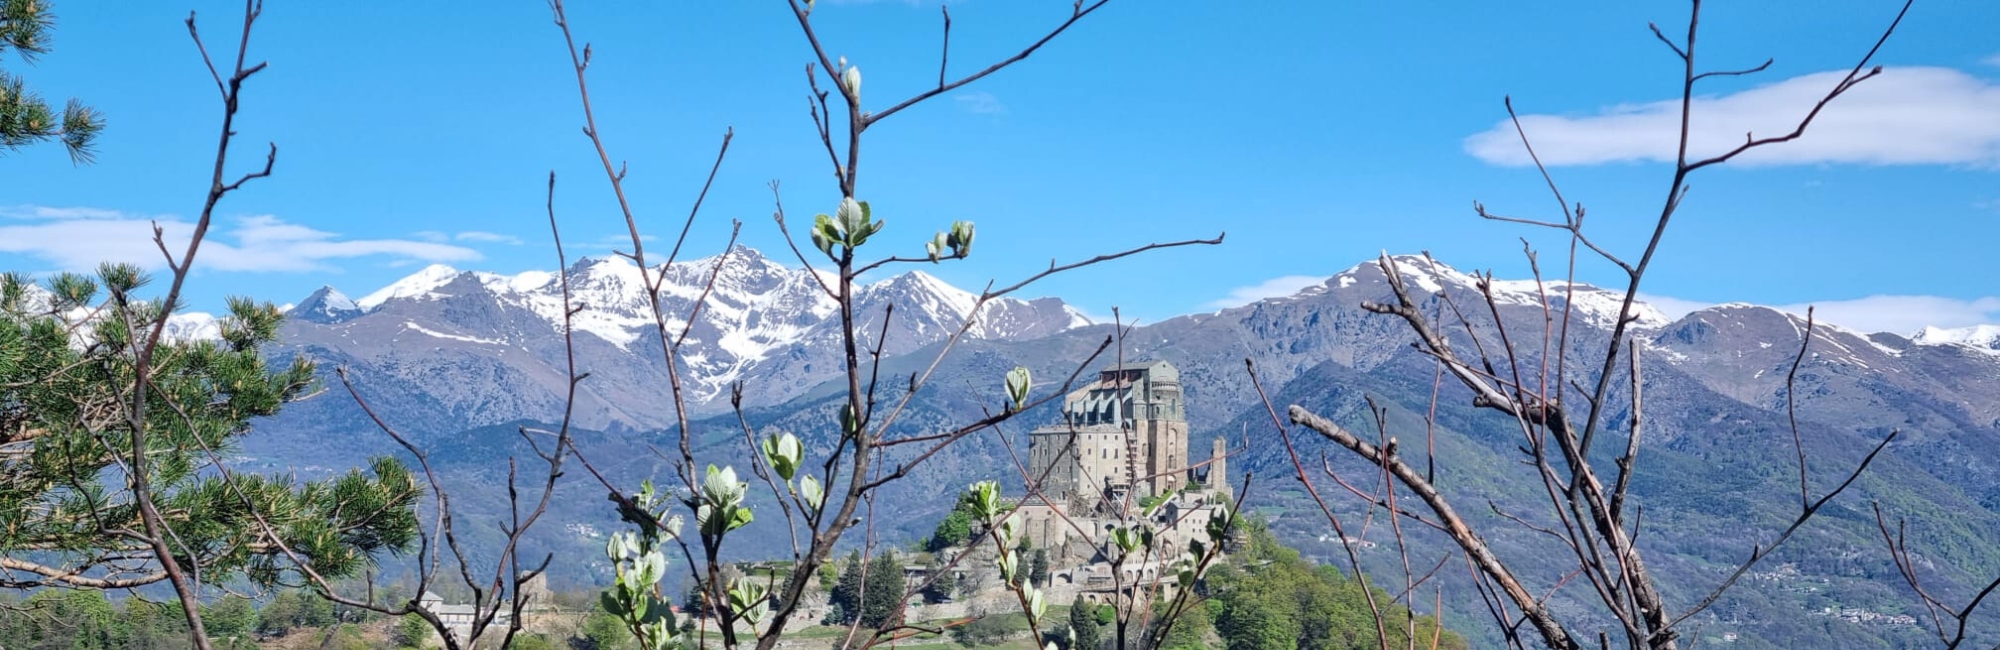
x=496, y=340
x=460, y=357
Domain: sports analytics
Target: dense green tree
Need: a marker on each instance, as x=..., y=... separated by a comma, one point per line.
x=954, y=529
x=602, y=631
x=56, y=619
x=24, y=117
x=1190, y=631
x=1038, y=568
x=412, y=631
x=293, y=610
x=1270, y=598
x=943, y=582
x=83, y=619
x=829, y=575
x=692, y=602
x=66, y=429
x=1083, y=624
x=846, y=594
x=232, y=616
x=881, y=606
x=1256, y=624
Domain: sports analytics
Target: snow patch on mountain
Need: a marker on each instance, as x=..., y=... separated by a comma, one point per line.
x=193, y=326
x=1077, y=318
x=1600, y=306
x=746, y=309
x=1984, y=338
x=421, y=284
x=451, y=337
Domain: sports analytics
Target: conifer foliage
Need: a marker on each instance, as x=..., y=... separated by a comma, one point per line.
x=67, y=515
x=25, y=118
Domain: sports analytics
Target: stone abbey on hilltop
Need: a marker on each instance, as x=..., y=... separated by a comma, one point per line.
x=1122, y=436
x=1120, y=446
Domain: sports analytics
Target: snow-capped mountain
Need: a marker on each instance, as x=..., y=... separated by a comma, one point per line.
x=487, y=348
x=327, y=305
x=1985, y=338
x=497, y=337
x=450, y=353
x=183, y=326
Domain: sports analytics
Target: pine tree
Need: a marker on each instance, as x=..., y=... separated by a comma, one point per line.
x=846, y=596
x=65, y=437
x=24, y=117
x=880, y=607
x=1083, y=624
x=943, y=582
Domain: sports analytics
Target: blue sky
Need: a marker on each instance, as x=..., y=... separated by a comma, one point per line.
x=1315, y=133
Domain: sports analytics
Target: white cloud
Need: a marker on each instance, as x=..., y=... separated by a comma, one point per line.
x=469, y=235
x=980, y=102
x=1100, y=319
x=1673, y=307
x=1898, y=314
x=81, y=238
x=487, y=237
x=1903, y=314
x=615, y=242
x=1272, y=288
x=1992, y=60
x=46, y=212
x=1905, y=116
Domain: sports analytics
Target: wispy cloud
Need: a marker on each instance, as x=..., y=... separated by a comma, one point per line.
x=46, y=212
x=1673, y=307
x=1903, y=314
x=1992, y=60
x=480, y=236
x=487, y=237
x=81, y=238
x=1905, y=116
x=1898, y=314
x=613, y=242
x=1272, y=288
x=980, y=102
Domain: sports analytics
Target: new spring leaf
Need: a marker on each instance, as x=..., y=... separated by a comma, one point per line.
x=1018, y=383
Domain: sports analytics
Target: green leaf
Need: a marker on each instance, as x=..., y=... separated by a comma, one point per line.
x=721, y=487
x=610, y=604
x=825, y=233
x=984, y=497
x=1018, y=383
x=784, y=453
x=810, y=491
x=960, y=240
x=936, y=246
x=853, y=220
x=849, y=424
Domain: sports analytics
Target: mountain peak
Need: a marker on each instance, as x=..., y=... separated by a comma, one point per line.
x=927, y=291
x=1428, y=276
x=326, y=305
x=1985, y=338
x=414, y=285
